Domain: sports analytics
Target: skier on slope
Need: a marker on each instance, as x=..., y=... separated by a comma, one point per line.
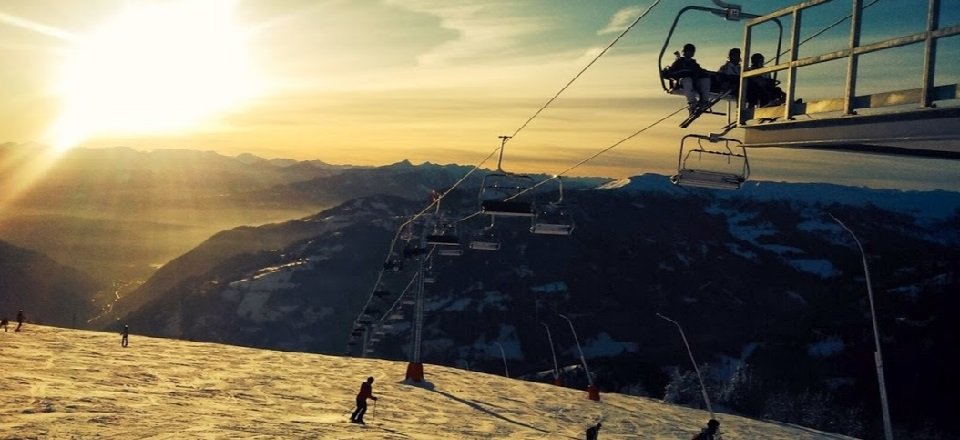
x=366, y=391
x=710, y=432
x=593, y=431
x=20, y=319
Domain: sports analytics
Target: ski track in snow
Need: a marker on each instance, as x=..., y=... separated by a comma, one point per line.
x=66, y=384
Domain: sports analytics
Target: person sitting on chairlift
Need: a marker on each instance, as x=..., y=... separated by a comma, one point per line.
x=762, y=91
x=694, y=81
x=728, y=75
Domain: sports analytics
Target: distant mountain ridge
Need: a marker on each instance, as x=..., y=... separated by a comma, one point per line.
x=45, y=290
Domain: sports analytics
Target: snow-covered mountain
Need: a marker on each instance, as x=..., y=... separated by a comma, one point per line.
x=769, y=289
x=76, y=384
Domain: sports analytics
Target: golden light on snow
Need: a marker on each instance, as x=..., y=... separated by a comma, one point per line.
x=60, y=383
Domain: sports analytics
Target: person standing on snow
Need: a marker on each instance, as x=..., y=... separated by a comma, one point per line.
x=710, y=432
x=366, y=391
x=20, y=319
x=593, y=432
x=5, y=324
x=125, y=335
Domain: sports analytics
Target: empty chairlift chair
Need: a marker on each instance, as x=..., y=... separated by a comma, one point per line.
x=485, y=239
x=506, y=194
x=553, y=218
x=716, y=166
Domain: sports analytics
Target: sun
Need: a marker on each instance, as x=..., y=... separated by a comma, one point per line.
x=154, y=68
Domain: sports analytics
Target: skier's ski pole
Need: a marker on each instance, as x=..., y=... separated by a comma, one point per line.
x=374, y=417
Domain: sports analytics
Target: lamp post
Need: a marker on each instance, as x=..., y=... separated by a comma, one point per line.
x=506, y=372
x=592, y=391
x=556, y=369
x=877, y=356
x=703, y=388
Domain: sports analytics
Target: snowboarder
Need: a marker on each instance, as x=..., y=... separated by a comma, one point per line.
x=125, y=336
x=366, y=391
x=710, y=432
x=593, y=432
x=5, y=324
x=20, y=319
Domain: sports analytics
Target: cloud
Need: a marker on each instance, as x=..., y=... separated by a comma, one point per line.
x=484, y=29
x=620, y=20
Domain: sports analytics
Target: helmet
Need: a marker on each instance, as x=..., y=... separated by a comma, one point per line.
x=713, y=423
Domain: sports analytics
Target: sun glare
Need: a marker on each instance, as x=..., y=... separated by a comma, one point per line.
x=154, y=68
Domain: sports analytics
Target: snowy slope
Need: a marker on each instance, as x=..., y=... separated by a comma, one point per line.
x=76, y=384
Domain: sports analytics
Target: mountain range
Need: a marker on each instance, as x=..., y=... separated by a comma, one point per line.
x=768, y=288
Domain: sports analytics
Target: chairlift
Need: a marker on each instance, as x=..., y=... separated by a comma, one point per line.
x=450, y=251
x=716, y=168
x=506, y=194
x=486, y=239
x=429, y=279
x=393, y=265
x=722, y=87
x=380, y=293
x=444, y=233
x=408, y=302
x=395, y=316
x=406, y=232
x=413, y=251
x=553, y=218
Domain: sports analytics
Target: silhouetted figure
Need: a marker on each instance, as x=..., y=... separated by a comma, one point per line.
x=694, y=81
x=762, y=91
x=5, y=324
x=366, y=392
x=728, y=75
x=20, y=319
x=710, y=432
x=593, y=432
x=124, y=339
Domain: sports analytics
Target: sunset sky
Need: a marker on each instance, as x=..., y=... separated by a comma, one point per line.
x=377, y=81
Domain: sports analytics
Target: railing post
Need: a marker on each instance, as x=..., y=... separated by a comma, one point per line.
x=930, y=54
x=850, y=85
x=792, y=70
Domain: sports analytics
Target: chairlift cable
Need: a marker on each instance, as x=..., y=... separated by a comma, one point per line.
x=821, y=31
x=597, y=154
x=527, y=122
x=577, y=76
x=437, y=200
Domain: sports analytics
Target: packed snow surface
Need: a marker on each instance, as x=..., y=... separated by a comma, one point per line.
x=66, y=384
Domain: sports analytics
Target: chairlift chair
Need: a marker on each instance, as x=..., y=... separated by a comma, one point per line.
x=722, y=167
x=506, y=194
x=413, y=251
x=486, y=239
x=720, y=88
x=395, y=316
x=444, y=235
x=429, y=279
x=450, y=251
x=553, y=218
x=380, y=293
x=393, y=265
